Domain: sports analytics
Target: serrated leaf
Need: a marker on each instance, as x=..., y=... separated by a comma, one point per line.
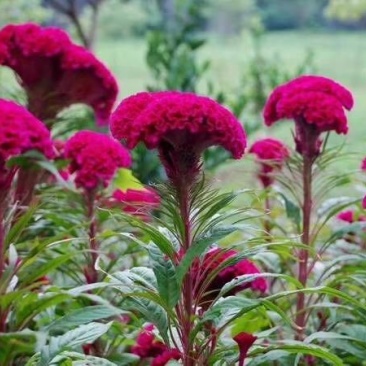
x=82, y=335
x=164, y=269
x=83, y=316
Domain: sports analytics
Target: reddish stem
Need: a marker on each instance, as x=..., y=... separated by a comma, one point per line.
x=92, y=274
x=188, y=359
x=303, y=256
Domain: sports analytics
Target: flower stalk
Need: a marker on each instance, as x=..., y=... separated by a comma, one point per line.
x=91, y=273
x=303, y=256
x=187, y=300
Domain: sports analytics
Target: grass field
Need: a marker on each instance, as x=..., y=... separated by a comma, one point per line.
x=341, y=56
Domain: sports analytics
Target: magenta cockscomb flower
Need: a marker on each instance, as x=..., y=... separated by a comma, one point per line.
x=138, y=202
x=244, y=341
x=95, y=158
x=350, y=216
x=316, y=104
x=180, y=125
x=363, y=164
x=55, y=73
x=20, y=132
x=271, y=155
x=215, y=259
x=148, y=347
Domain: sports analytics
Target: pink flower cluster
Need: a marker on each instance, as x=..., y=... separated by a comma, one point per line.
x=316, y=99
x=56, y=73
x=315, y=103
x=211, y=262
x=138, y=202
x=350, y=216
x=271, y=154
x=147, y=347
x=20, y=132
x=95, y=158
x=177, y=119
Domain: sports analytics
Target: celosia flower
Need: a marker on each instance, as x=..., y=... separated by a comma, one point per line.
x=138, y=202
x=271, y=154
x=165, y=357
x=364, y=203
x=363, y=164
x=350, y=216
x=316, y=104
x=20, y=132
x=181, y=125
x=94, y=158
x=213, y=260
x=244, y=341
x=56, y=73
x=147, y=346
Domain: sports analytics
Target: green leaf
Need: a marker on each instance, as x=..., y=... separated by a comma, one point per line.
x=83, y=316
x=124, y=180
x=297, y=348
x=21, y=224
x=74, y=338
x=164, y=269
x=293, y=212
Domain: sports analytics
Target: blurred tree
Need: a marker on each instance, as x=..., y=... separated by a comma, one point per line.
x=124, y=19
x=19, y=11
x=291, y=14
x=73, y=11
x=230, y=16
x=346, y=10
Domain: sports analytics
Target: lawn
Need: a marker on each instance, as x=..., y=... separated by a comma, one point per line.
x=341, y=56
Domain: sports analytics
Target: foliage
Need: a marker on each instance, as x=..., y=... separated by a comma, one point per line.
x=346, y=10
x=18, y=11
x=283, y=14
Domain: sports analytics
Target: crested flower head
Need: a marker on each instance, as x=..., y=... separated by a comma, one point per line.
x=271, y=154
x=180, y=125
x=95, y=158
x=20, y=132
x=56, y=73
x=215, y=259
x=148, y=347
x=316, y=104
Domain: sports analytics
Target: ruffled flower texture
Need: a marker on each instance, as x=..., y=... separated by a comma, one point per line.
x=210, y=263
x=55, y=72
x=95, y=158
x=138, y=202
x=316, y=104
x=148, y=347
x=180, y=125
x=271, y=155
x=20, y=132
